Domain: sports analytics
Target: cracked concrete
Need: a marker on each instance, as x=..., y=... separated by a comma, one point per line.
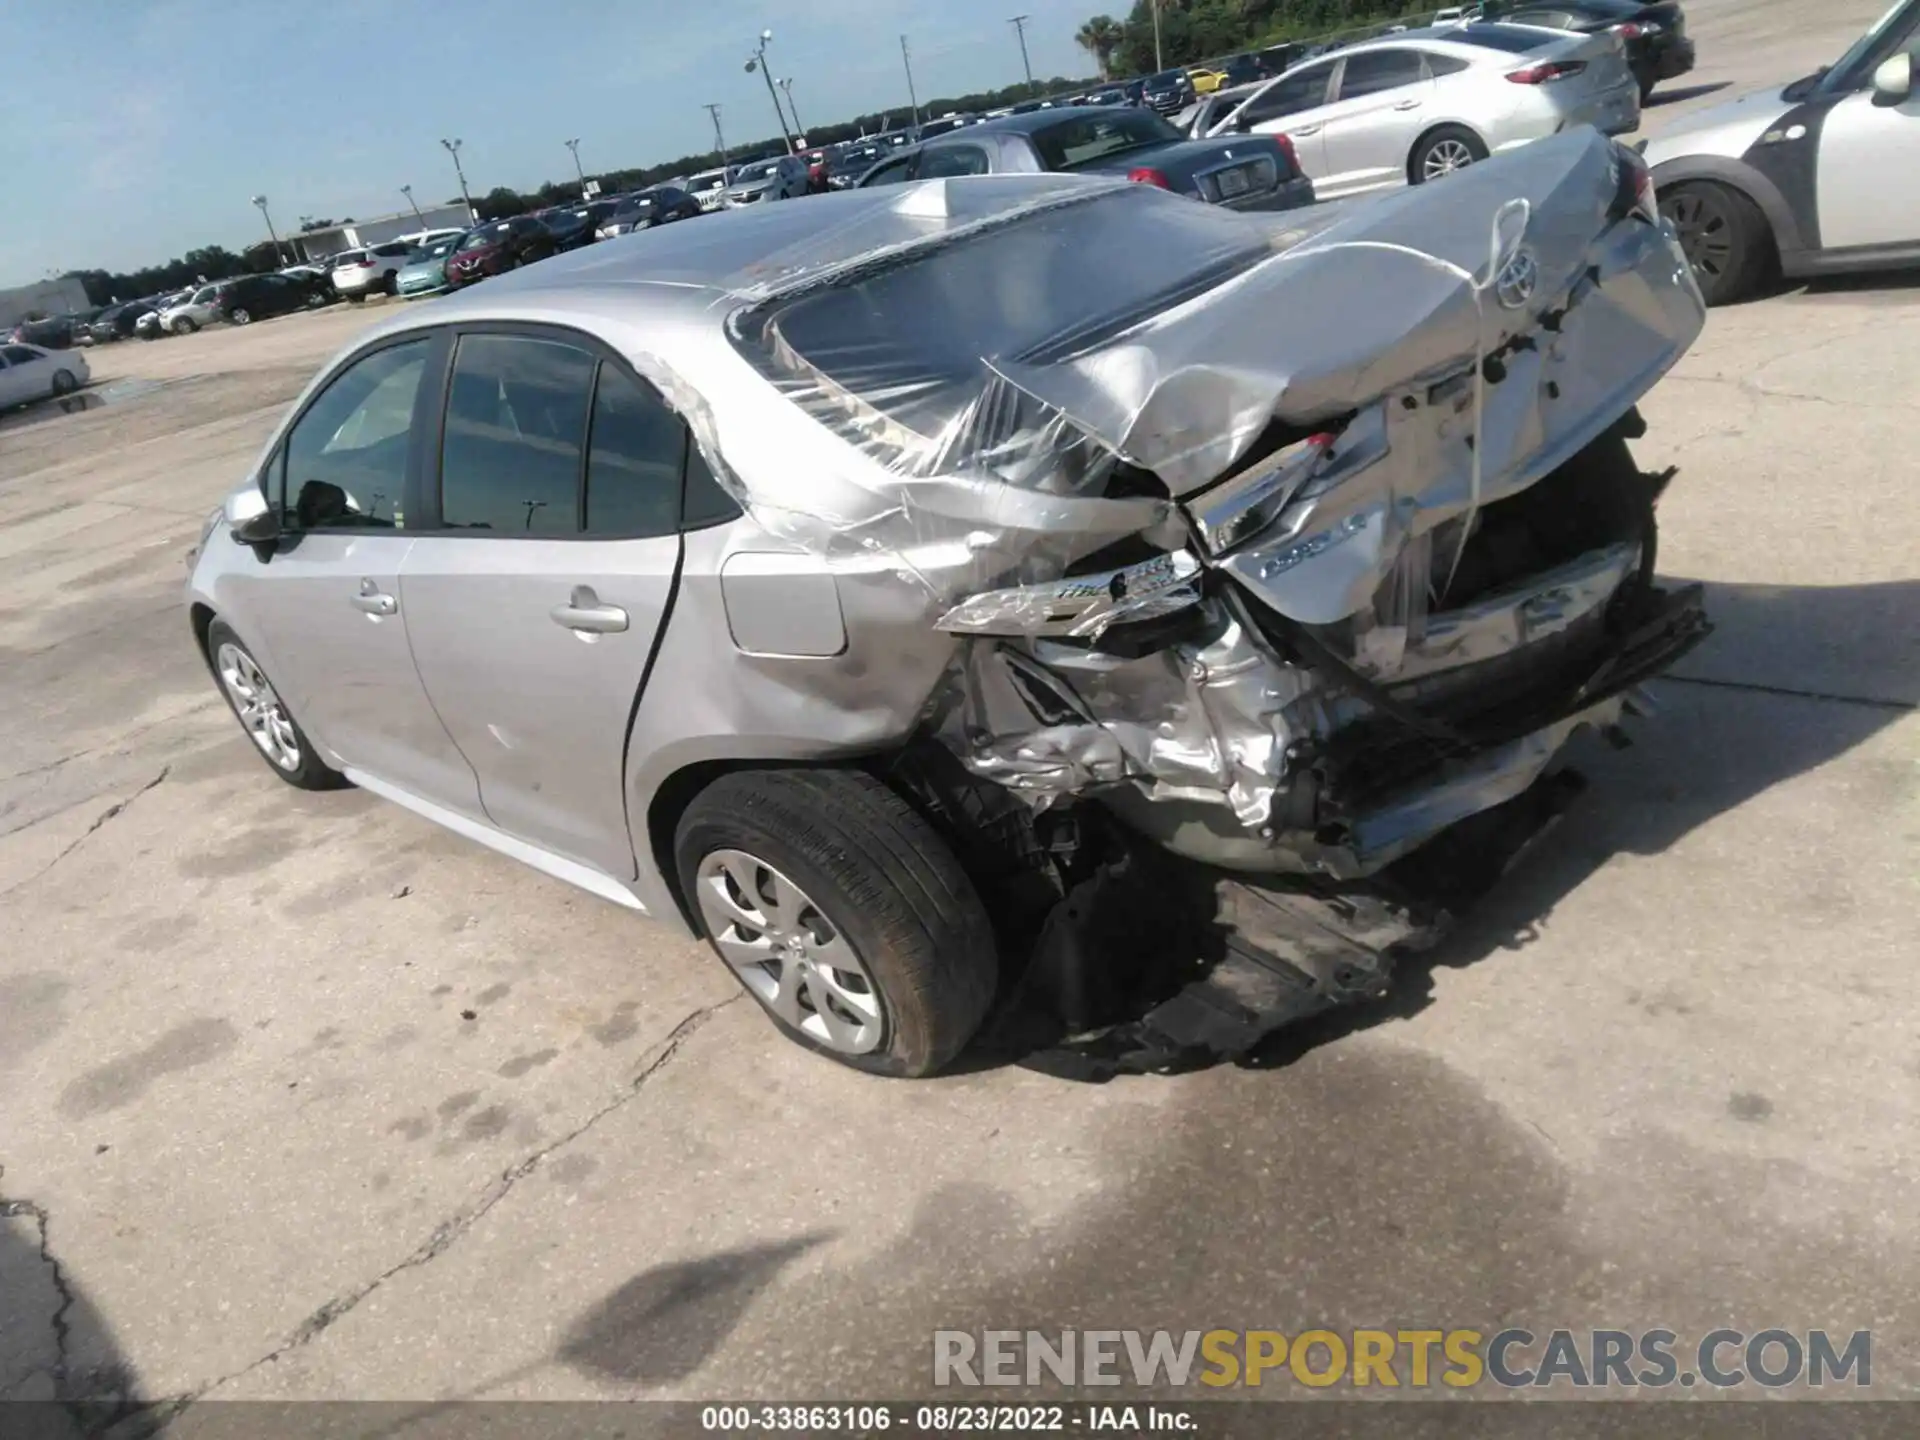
x=353, y=1109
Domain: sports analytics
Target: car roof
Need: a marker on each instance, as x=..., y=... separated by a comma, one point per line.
x=1032, y=120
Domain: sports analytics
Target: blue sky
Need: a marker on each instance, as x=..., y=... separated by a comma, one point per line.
x=133, y=130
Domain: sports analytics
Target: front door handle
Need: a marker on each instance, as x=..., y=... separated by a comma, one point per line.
x=1303, y=129
x=374, y=600
x=1407, y=105
x=584, y=614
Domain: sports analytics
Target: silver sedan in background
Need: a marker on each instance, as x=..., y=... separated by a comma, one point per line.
x=1422, y=104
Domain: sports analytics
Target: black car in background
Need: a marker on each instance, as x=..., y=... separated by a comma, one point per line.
x=248, y=298
x=1242, y=172
x=661, y=205
x=57, y=332
x=1168, y=92
x=116, y=322
x=854, y=161
x=576, y=225
x=1658, y=47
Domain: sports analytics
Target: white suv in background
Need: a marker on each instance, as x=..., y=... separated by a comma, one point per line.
x=709, y=187
x=372, y=270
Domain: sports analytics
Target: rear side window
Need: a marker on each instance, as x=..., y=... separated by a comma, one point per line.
x=893, y=174
x=634, y=460
x=945, y=160
x=1287, y=96
x=1374, y=71
x=1438, y=65
x=19, y=354
x=516, y=421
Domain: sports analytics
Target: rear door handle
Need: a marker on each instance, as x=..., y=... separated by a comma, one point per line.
x=374, y=600
x=1303, y=129
x=1407, y=105
x=584, y=614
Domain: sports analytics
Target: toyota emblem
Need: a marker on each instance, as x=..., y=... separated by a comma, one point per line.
x=1517, y=279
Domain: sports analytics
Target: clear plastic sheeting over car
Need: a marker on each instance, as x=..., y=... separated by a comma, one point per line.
x=1192, y=492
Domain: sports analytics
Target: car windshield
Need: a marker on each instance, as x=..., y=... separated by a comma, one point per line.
x=435, y=251
x=1085, y=139
x=916, y=340
x=1513, y=39
x=1166, y=78
x=480, y=239
x=700, y=184
x=758, y=172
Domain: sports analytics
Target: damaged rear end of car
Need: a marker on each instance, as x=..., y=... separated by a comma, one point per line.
x=1278, y=558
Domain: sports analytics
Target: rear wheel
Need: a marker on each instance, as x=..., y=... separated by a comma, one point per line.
x=1724, y=236
x=1646, y=80
x=64, y=383
x=354, y=297
x=240, y=315
x=184, y=326
x=264, y=715
x=1442, y=151
x=842, y=912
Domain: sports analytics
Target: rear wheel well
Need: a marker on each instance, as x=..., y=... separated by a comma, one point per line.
x=670, y=802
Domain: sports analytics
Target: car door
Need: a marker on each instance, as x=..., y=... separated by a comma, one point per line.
x=324, y=605
x=1869, y=154
x=1378, y=111
x=535, y=603
x=1290, y=106
x=9, y=380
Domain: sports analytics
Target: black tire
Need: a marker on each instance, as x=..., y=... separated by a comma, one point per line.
x=64, y=383
x=1646, y=82
x=354, y=297
x=877, y=873
x=311, y=773
x=240, y=315
x=1725, y=236
x=1443, y=138
x=184, y=326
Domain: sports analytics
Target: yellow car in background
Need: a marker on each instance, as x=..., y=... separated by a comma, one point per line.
x=1206, y=81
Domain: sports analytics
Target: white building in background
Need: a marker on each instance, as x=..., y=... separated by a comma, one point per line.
x=331, y=241
x=44, y=297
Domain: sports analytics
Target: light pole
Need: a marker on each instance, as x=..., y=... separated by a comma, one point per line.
x=906, y=59
x=407, y=190
x=453, y=149
x=758, y=61
x=261, y=201
x=1159, y=60
x=793, y=109
x=1019, y=23
x=574, y=146
x=719, y=139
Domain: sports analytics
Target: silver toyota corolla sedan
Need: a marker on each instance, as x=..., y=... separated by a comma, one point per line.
x=832, y=578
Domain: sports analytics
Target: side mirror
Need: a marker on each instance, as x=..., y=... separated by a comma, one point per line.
x=258, y=530
x=1893, y=80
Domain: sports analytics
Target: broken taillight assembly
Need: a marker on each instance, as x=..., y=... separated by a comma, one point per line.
x=1147, y=175
x=1546, y=73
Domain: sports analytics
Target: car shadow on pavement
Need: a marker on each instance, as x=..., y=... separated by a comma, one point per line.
x=61, y=1370
x=1708, y=750
x=1685, y=92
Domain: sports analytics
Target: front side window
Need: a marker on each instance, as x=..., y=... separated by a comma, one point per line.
x=516, y=421
x=345, y=460
x=19, y=354
x=893, y=173
x=1376, y=71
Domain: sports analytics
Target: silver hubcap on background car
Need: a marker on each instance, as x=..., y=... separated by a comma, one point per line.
x=1445, y=157
x=260, y=709
x=788, y=953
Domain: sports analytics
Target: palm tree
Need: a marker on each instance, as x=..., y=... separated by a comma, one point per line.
x=1100, y=37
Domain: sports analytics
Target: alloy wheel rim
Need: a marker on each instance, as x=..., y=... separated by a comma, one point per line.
x=261, y=713
x=1446, y=157
x=788, y=953
x=1705, y=237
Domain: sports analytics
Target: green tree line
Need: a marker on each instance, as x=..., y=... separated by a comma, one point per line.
x=1192, y=31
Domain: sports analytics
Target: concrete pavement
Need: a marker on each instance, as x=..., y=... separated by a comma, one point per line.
x=305, y=1098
